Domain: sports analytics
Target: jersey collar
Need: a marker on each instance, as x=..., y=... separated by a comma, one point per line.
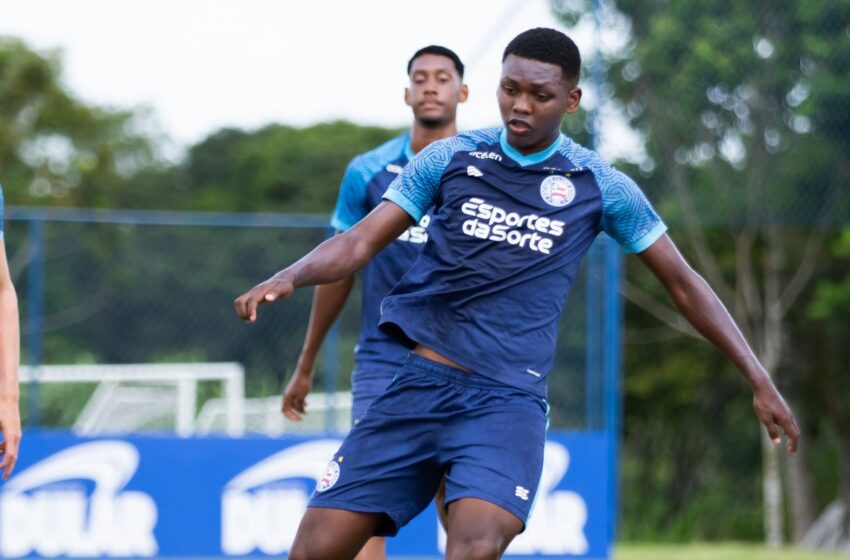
x=531, y=159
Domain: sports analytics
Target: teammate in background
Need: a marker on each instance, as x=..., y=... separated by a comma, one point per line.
x=515, y=210
x=10, y=419
x=436, y=87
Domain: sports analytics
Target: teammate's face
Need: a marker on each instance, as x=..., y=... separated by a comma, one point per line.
x=435, y=90
x=533, y=99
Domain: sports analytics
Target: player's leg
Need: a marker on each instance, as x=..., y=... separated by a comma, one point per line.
x=374, y=549
x=440, y=502
x=493, y=452
x=479, y=530
x=333, y=533
x=366, y=386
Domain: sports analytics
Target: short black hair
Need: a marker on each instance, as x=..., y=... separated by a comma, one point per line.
x=438, y=50
x=547, y=45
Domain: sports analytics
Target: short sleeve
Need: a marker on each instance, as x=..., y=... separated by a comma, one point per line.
x=2, y=211
x=627, y=215
x=416, y=189
x=351, y=203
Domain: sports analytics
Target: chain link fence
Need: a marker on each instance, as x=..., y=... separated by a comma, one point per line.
x=112, y=287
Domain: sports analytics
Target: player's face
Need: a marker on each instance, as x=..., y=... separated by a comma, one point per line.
x=533, y=99
x=435, y=90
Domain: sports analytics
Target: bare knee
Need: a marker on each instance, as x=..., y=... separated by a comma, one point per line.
x=484, y=547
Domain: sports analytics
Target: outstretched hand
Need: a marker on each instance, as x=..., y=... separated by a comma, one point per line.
x=275, y=288
x=775, y=413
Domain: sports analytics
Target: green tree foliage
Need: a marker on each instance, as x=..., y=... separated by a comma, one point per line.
x=55, y=149
x=742, y=107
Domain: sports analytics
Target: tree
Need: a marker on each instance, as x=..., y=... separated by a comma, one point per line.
x=742, y=107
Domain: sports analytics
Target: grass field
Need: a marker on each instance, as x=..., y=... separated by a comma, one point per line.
x=717, y=552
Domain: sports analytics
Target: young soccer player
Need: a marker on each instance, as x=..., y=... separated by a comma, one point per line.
x=10, y=420
x=515, y=210
x=436, y=87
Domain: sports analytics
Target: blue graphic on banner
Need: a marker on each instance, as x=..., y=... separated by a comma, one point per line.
x=165, y=496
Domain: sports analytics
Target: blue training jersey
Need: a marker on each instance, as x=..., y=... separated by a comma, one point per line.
x=505, y=242
x=366, y=179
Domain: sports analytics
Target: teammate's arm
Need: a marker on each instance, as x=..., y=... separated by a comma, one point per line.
x=703, y=309
x=338, y=257
x=328, y=301
x=10, y=420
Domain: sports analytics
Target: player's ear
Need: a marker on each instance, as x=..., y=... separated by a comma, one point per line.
x=573, y=99
x=407, y=96
x=463, y=94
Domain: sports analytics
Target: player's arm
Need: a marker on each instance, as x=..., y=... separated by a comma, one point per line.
x=703, y=309
x=338, y=257
x=328, y=301
x=10, y=420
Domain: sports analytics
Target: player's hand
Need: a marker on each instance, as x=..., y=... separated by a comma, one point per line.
x=10, y=428
x=294, y=404
x=275, y=288
x=774, y=413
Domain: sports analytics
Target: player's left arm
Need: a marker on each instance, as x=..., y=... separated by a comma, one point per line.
x=703, y=309
x=10, y=419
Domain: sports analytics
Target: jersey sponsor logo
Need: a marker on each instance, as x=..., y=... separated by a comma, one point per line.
x=417, y=233
x=557, y=190
x=473, y=171
x=329, y=478
x=486, y=155
x=73, y=503
x=262, y=506
x=493, y=223
x=393, y=168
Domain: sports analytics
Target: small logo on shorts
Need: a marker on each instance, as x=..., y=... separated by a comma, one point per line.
x=521, y=493
x=557, y=191
x=329, y=478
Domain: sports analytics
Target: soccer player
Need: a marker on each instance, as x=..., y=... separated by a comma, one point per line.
x=436, y=87
x=515, y=210
x=10, y=419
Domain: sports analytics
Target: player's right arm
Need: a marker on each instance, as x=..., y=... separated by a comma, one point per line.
x=328, y=299
x=406, y=201
x=10, y=419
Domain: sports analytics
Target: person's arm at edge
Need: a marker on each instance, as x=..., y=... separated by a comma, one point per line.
x=703, y=309
x=338, y=257
x=10, y=419
x=328, y=301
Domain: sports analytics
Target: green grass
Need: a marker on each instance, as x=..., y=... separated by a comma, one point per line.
x=716, y=552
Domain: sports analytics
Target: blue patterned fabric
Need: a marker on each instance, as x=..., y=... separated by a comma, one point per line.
x=506, y=239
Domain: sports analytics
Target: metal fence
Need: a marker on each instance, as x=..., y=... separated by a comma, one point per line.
x=122, y=287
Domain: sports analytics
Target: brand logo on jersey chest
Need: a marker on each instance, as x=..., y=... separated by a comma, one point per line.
x=557, y=190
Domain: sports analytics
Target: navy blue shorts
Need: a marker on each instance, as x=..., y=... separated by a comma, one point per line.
x=366, y=386
x=486, y=437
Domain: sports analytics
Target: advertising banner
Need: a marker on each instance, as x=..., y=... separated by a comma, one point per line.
x=170, y=497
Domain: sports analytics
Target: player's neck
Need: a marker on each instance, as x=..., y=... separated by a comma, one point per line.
x=421, y=136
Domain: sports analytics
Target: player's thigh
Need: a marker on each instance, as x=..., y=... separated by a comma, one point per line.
x=326, y=533
x=374, y=549
x=496, y=453
x=479, y=530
